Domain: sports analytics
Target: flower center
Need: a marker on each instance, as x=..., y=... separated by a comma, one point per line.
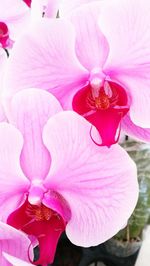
x=39, y=213
x=44, y=224
x=105, y=98
x=103, y=103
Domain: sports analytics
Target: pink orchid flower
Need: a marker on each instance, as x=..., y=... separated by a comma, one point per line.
x=13, y=243
x=54, y=178
x=97, y=64
x=14, y=15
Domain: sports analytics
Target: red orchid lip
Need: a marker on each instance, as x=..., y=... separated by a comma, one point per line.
x=43, y=223
x=28, y=2
x=4, y=34
x=105, y=111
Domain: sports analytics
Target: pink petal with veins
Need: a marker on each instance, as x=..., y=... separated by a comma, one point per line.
x=99, y=184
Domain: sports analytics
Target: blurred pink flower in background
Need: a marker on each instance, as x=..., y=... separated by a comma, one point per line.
x=54, y=178
x=93, y=64
x=14, y=15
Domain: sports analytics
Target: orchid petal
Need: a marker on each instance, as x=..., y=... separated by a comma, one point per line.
x=140, y=95
x=67, y=6
x=18, y=27
x=15, y=261
x=129, y=57
x=138, y=133
x=99, y=184
x=54, y=201
x=12, y=180
x=48, y=61
x=16, y=15
x=91, y=45
x=30, y=110
x=13, y=242
x=129, y=40
x=7, y=13
x=137, y=87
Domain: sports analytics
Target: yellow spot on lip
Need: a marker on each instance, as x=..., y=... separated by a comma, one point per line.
x=43, y=213
x=102, y=102
x=40, y=213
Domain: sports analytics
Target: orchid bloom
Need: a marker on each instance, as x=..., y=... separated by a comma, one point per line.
x=13, y=243
x=93, y=63
x=54, y=178
x=14, y=14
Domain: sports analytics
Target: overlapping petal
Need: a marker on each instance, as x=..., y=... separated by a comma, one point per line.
x=13, y=183
x=14, y=243
x=136, y=132
x=91, y=45
x=100, y=185
x=30, y=110
x=9, y=9
x=125, y=24
x=15, y=261
x=48, y=61
x=137, y=84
